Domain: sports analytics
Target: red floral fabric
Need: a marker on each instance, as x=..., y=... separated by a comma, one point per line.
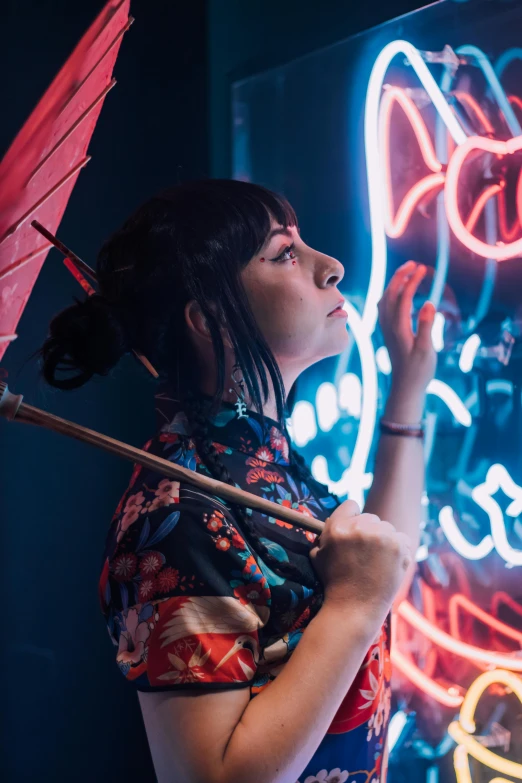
x=189, y=604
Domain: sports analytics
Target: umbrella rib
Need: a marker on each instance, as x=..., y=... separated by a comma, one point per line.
x=44, y=198
x=120, y=34
x=55, y=139
x=71, y=130
x=16, y=265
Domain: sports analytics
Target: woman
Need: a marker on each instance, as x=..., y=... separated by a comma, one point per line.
x=259, y=652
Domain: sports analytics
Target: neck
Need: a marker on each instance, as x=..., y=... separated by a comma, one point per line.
x=269, y=407
x=208, y=386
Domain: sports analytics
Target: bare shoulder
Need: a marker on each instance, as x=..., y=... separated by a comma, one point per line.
x=188, y=731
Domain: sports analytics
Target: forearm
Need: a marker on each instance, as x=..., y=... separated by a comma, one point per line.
x=284, y=725
x=399, y=474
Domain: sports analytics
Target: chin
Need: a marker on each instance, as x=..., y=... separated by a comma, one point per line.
x=338, y=345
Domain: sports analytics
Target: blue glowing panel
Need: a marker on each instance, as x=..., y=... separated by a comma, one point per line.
x=406, y=143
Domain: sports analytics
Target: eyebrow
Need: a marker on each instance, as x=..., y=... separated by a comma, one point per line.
x=276, y=231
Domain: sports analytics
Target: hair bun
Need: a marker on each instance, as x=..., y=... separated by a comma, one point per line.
x=87, y=338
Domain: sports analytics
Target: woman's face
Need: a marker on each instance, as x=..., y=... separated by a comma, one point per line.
x=291, y=301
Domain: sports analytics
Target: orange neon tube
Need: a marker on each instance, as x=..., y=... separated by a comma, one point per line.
x=479, y=205
x=460, y=601
x=444, y=640
x=449, y=697
x=396, y=220
x=500, y=251
x=396, y=225
x=469, y=100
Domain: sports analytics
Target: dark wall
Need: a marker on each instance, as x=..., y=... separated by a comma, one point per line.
x=249, y=37
x=68, y=713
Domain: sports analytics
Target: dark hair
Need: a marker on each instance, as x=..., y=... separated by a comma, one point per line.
x=188, y=242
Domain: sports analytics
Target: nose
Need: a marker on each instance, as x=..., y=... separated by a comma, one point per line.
x=329, y=271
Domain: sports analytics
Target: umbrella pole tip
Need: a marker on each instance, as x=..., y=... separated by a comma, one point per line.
x=9, y=403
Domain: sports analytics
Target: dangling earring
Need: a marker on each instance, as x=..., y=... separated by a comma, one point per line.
x=240, y=404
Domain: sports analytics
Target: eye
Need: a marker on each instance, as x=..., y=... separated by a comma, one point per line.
x=283, y=256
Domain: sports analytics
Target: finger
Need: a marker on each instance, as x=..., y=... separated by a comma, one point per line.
x=425, y=325
x=351, y=508
x=400, y=277
x=406, y=299
x=388, y=302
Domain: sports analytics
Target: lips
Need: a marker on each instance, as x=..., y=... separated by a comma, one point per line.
x=339, y=306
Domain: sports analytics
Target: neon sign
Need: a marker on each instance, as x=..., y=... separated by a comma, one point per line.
x=464, y=139
x=463, y=729
x=396, y=223
x=486, y=229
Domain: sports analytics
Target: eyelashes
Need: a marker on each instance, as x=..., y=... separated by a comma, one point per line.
x=281, y=258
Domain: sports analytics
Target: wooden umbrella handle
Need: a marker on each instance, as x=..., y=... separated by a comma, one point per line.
x=12, y=408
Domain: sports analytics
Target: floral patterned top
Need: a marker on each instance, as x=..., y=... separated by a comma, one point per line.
x=189, y=604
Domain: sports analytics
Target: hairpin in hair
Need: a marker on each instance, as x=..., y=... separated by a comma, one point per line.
x=76, y=266
x=89, y=290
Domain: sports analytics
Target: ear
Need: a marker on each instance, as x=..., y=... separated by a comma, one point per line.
x=195, y=319
x=197, y=322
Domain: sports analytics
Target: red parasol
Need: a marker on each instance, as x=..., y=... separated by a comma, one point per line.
x=37, y=176
x=41, y=167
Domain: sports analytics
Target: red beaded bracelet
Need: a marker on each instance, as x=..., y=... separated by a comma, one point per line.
x=408, y=430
